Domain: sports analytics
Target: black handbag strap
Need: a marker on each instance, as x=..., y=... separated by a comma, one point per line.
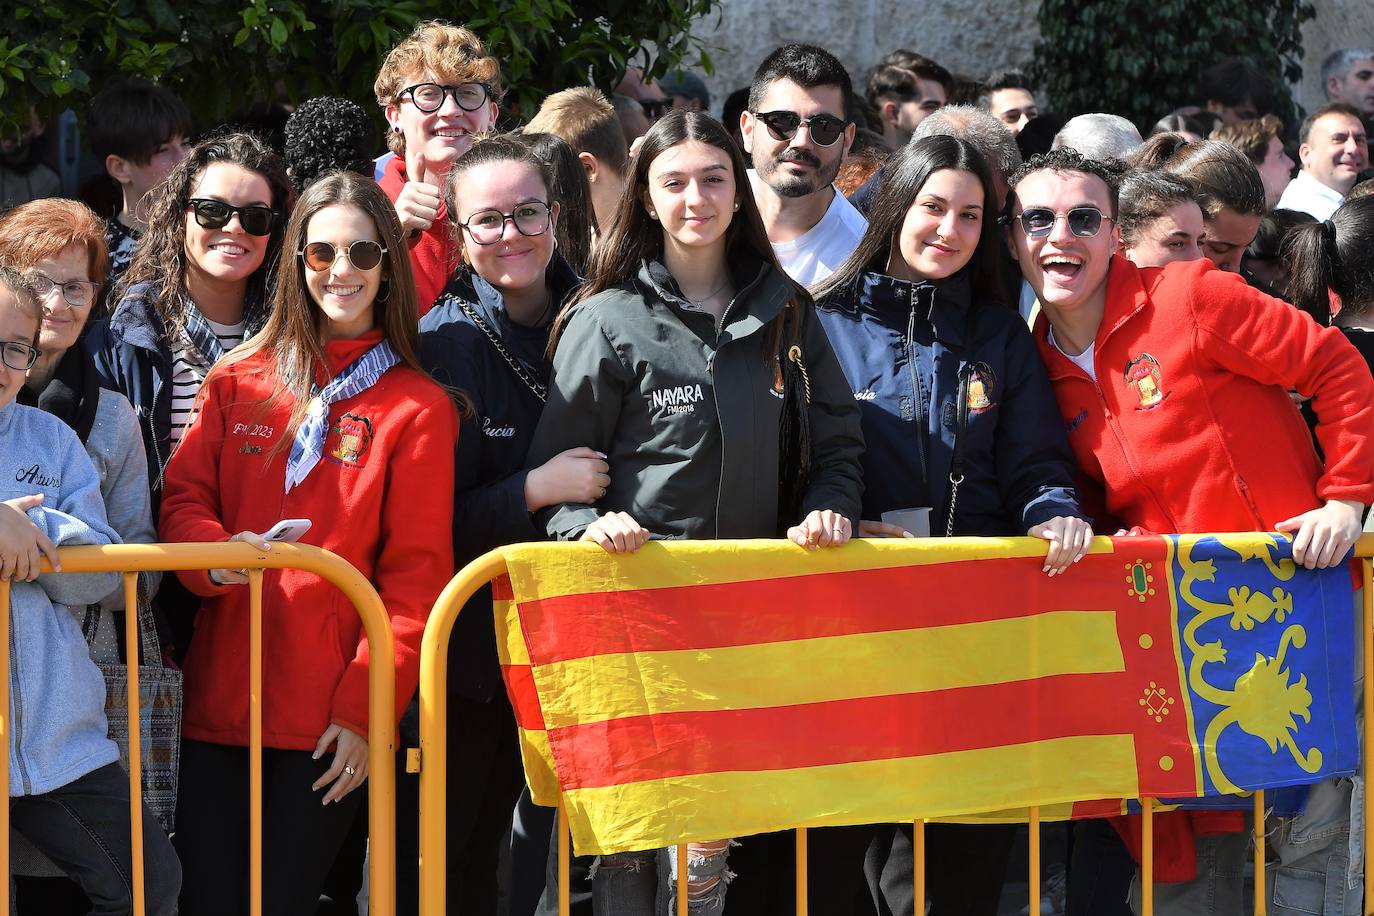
x=956, y=461
x=539, y=390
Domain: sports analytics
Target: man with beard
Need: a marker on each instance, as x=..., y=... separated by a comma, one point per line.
x=797, y=130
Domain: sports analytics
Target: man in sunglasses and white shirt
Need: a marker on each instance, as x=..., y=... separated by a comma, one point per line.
x=797, y=130
x=1172, y=384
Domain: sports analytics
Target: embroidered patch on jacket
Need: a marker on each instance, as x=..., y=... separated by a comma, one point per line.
x=982, y=387
x=1144, y=375
x=349, y=441
x=779, y=387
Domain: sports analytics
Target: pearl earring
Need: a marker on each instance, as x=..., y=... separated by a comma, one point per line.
x=653, y=214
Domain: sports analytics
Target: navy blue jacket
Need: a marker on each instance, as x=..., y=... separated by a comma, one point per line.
x=489, y=458
x=903, y=346
x=132, y=356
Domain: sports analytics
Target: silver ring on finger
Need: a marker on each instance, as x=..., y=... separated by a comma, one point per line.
x=348, y=768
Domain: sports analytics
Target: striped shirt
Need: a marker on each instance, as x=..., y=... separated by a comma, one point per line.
x=187, y=377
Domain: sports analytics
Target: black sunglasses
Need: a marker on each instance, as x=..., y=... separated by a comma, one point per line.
x=783, y=125
x=18, y=356
x=1084, y=222
x=655, y=108
x=429, y=97
x=215, y=214
x=364, y=254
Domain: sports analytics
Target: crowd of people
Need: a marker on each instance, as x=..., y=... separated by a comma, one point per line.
x=927, y=306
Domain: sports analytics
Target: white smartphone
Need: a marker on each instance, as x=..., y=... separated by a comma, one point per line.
x=288, y=529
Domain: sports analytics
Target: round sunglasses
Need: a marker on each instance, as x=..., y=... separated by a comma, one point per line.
x=215, y=214
x=364, y=254
x=429, y=97
x=1084, y=222
x=783, y=125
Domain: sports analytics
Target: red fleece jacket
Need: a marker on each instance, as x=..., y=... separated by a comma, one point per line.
x=381, y=497
x=433, y=252
x=1189, y=428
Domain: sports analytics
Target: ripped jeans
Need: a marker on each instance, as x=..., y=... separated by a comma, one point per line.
x=644, y=883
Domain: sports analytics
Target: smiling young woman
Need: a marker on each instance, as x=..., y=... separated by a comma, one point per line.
x=329, y=407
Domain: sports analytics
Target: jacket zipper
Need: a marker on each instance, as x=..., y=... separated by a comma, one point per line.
x=152, y=434
x=920, y=405
x=18, y=700
x=715, y=397
x=1249, y=501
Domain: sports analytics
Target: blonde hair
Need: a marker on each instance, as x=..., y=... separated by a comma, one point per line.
x=587, y=122
x=452, y=53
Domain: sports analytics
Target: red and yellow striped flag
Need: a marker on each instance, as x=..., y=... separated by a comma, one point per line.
x=696, y=691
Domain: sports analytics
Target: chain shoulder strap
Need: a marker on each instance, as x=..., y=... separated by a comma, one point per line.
x=540, y=391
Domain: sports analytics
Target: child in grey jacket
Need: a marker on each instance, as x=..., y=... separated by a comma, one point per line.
x=68, y=795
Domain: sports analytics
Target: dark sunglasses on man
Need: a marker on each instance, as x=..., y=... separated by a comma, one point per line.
x=783, y=125
x=655, y=108
x=1084, y=222
x=215, y=214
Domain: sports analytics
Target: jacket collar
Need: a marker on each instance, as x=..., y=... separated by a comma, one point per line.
x=942, y=306
x=488, y=302
x=762, y=290
x=136, y=320
x=1127, y=295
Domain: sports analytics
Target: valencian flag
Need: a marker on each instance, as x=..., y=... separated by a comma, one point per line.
x=697, y=691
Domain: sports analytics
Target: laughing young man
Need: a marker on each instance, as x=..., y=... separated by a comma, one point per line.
x=1172, y=383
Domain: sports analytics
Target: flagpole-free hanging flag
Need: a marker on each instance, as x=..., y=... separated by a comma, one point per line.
x=696, y=691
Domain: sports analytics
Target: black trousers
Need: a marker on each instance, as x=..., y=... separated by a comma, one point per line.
x=966, y=867
x=485, y=777
x=301, y=836
x=84, y=828
x=1100, y=871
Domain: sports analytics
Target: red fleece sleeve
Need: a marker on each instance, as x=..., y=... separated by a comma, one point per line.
x=415, y=557
x=191, y=505
x=1249, y=333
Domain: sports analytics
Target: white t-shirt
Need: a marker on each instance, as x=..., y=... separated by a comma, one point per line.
x=1083, y=360
x=815, y=254
x=187, y=377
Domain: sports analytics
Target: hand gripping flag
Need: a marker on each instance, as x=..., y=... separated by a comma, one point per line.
x=697, y=691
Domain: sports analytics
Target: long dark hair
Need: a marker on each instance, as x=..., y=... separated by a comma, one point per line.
x=1337, y=255
x=576, y=218
x=904, y=176
x=633, y=237
x=161, y=255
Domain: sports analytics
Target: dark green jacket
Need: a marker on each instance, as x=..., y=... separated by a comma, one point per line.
x=688, y=414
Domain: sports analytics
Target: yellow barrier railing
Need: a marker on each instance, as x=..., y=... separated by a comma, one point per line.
x=131, y=559
x=434, y=769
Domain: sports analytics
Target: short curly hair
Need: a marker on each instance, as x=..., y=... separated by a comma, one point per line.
x=1251, y=137
x=327, y=134
x=452, y=53
x=1066, y=159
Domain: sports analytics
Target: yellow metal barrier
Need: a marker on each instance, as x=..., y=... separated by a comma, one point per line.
x=131, y=559
x=434, y=767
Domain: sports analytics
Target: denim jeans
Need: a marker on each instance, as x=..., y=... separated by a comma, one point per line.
x=1319, y=854
x=1218, y=889
x=83, y=827
x=645, y=883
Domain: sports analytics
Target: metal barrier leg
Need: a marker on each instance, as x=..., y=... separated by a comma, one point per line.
x=255, y=741
x=802, y=901
x=564, y=860
x=681, y=852
x=1259, y=854
x=131, y=646
x=918, y=853
x=1147, y=857
x=1034, y=859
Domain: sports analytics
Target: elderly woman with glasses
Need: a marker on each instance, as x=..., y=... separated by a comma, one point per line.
x=439, y=87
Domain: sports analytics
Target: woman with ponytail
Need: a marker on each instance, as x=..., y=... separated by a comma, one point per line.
x=1333, y=262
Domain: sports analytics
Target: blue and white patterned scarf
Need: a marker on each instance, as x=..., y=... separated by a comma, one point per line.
x=361, y=374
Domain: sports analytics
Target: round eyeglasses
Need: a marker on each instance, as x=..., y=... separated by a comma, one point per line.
x=76, y=293
x=429, y=97
x=486, y=227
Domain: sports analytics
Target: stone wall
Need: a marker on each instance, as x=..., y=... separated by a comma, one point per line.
x=972, y=37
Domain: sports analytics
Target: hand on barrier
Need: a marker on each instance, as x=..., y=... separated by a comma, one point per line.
x=1324, y=536
x=417, y=205
x=869, y=529
x=349, y=769
x=239, y=576
x=1069, y=539
x=579, y=475
x=23, y=545
x=821, y=528
x=616, y=532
